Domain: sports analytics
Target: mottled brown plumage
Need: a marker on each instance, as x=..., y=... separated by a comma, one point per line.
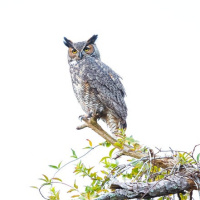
x=96, y=86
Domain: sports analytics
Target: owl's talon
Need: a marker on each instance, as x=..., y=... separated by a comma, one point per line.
x=89, y=115
x=81, y=117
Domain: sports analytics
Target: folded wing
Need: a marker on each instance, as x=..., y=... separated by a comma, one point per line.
x=107, y=86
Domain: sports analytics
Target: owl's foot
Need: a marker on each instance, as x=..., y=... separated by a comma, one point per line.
x=81, y=117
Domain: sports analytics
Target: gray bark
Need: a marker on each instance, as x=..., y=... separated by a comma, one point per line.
x=170, y=185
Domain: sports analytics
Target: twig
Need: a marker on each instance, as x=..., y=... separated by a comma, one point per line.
x=149, y=171
x=179, y=197
x=75, y=159
x=194, y=149
x=45, y=184
x=191, y=193
x=154, y=186
x=81, y=126
x=51, y=183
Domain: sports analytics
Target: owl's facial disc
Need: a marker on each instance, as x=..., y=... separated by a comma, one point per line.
x=79, y=53
x=80, y=50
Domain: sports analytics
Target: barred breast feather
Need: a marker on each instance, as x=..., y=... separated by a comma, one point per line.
x=98, y=87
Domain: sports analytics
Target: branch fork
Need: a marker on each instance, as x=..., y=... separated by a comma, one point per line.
x=173, y=183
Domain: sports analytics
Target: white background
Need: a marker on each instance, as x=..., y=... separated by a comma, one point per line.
x=153, y=45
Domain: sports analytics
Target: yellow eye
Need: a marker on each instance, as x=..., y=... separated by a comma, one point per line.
x=74, y=51
x=86, y=49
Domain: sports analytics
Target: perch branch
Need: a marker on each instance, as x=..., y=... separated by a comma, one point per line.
x=170, y=185
x=126, y=150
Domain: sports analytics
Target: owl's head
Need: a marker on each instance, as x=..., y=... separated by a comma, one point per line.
x=80, y=50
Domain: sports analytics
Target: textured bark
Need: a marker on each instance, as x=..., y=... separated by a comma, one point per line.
x=170, y=185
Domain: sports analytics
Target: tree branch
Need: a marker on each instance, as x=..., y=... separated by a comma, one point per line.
x=180, y=179
x=127, y=150
x=170, y=185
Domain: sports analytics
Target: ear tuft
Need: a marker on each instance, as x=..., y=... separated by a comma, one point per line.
x=92, y=39
x=67, y=42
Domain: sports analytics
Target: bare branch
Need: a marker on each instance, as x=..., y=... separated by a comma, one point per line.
x=75, y=159
x=194, y=149
x=81, y=126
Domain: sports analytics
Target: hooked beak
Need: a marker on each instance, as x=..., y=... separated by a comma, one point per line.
x=80, y=55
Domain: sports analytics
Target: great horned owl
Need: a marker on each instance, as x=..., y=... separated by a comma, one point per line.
x=96, y=86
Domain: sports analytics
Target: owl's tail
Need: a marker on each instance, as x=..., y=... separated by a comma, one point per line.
x=123, y=125
x=114, y=123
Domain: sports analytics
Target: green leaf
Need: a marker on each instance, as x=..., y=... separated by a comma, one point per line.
x=105, y=144
x=71, y=190
x=111, y=152
x=58, y=195
x=104, y=172
x=75, y=196
x=93, y=174
x=118, y=144
x=53, y=189
x=59, y=165
x=99, y=178
x=52, y=198
x=88, y=189
x=76, y=186
x=87, y=148
x=198, y=157
x=74, y=154
x=53, y=166
x=90, y=169
x=108, y=144
x=58, y=179
x=46, y=184
x=46, y=178
x=34, y=187
x=104, y=158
